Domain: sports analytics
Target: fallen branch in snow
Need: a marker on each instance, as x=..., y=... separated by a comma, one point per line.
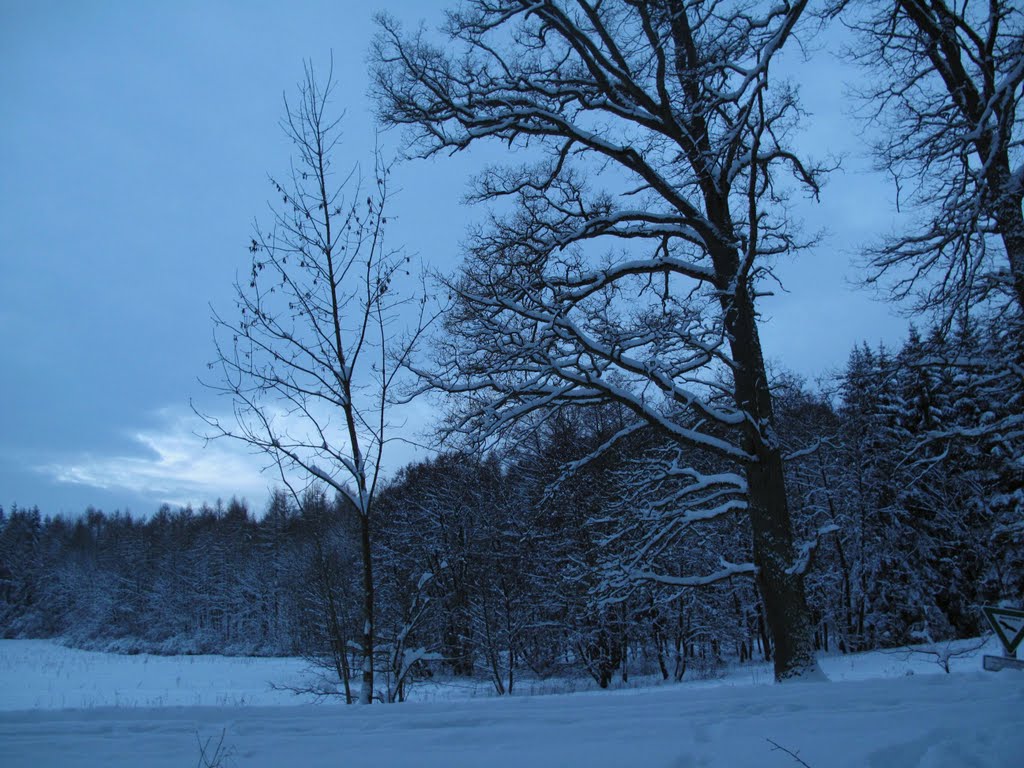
x=322, y=686
x=795, y=755
x=220, y=753
x=943, y=652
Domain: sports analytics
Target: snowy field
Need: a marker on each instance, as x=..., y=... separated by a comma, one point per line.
x=62, y=707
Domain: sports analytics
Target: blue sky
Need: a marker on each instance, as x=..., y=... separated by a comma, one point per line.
x=135, y=147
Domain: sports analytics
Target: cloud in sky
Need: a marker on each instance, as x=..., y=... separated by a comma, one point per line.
x=173, y=464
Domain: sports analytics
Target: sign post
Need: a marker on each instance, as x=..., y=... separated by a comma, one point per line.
x=1008, y=624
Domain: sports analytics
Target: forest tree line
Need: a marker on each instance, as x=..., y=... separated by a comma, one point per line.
x=908, y=499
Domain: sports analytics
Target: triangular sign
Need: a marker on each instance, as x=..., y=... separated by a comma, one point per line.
x=1008, y=624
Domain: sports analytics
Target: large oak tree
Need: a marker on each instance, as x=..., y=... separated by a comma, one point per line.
x=623, y=259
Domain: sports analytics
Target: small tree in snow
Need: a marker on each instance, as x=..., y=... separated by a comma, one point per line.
x=310, y=360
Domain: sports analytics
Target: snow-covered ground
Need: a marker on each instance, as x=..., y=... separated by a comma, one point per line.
x=62, y=707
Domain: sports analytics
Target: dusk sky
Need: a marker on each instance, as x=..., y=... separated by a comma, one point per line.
x=135, y=147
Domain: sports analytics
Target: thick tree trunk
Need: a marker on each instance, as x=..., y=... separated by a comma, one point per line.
x=785, y=603
x=1007, y=200
x=1010, y=221
x=366, y=692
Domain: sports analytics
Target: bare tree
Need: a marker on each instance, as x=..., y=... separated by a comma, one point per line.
x=312, y=357
x=946, y=90
x=667, y=103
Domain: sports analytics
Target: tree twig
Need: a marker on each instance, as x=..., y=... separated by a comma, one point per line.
x=795, y=755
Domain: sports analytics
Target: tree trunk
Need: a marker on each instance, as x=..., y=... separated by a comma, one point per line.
x=785, y=603
x=847, y=598
x=680, y=647
x=366, y=692
x=1010, y=221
